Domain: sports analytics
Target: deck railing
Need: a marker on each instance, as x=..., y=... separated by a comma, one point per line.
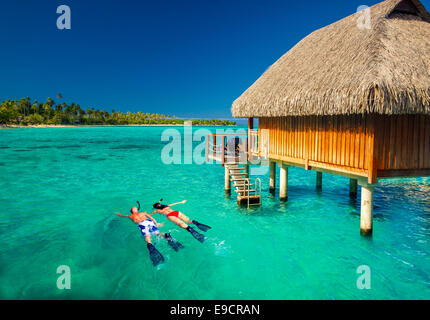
x=253, y=143
x=227, y=148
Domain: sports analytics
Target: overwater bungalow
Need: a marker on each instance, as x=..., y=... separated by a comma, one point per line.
x=349, y=100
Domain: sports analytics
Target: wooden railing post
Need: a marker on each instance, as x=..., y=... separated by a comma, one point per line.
x=207, y=148
x=214, y=143
x=249, y=146
x=250, y=128
x=222, y=151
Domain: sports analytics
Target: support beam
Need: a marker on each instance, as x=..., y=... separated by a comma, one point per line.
x=353, y=188
x=272, y=182
x=246, y=168
x=366, y=221
x=250, y=123
x=227, y=183
x=319, y=180
x=283, y=182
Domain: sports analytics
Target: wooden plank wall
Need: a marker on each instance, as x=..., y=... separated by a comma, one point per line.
x=355, y=143
x=402, y=142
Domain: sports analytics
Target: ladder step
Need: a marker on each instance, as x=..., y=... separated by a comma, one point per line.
x=239, y=179
x=255, y=204
x=245, y=191
x=238, y=175
x=242, y=185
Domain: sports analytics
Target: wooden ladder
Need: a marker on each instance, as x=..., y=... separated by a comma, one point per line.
x=251, y=193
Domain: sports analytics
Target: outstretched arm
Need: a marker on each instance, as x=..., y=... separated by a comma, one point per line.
x=121, y=215
x=155, y=221
x=174, y=204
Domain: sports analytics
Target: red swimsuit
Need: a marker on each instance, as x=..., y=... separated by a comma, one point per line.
x=173, y=214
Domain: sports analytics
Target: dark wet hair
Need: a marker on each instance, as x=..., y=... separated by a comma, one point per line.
x=159, y=206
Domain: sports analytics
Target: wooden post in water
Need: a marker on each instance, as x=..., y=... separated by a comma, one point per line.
x=272, y=182
x=250, y=123
x=207, y=148
x=353, y=188
x=227, y=184
x=319, y=180
x=366, y=221
x=283, y=182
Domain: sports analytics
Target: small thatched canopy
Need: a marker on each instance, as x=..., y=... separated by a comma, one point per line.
x=344, y=69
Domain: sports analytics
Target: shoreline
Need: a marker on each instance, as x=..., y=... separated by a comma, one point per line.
x=103, y=125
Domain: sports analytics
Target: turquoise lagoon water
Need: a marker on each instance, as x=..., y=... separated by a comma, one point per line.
x=59, y=189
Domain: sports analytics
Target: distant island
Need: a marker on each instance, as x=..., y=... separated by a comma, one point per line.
x=33, y=113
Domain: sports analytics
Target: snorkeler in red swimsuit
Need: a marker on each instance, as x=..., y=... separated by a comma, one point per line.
x=174, y=214
x=180, y=219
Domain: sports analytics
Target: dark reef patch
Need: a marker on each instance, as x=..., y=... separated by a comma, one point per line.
x=68, y=146
x=129, y=147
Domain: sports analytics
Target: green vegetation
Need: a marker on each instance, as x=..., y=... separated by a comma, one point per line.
x=26, y=112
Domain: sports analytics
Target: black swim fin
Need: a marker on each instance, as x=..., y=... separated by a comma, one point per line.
x=196, y=235
x=155, y=255
x=201, y=226
x=173, y=243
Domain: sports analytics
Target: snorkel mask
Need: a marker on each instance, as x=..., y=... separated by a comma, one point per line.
x=158, y=205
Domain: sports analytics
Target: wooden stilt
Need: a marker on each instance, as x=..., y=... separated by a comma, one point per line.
x=283, y=182
x=319, y=180
x=353, y=188
x=227, y=184
x=366, y=222
x=272, y=183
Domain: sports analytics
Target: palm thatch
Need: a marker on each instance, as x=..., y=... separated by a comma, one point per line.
x=344, y=69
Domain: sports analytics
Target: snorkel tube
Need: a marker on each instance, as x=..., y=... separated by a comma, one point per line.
x=138, y=208
x=158, y=205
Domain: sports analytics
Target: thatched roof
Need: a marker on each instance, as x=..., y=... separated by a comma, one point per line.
x=342, y=69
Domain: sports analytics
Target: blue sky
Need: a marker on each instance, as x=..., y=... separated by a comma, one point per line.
x=189, y=58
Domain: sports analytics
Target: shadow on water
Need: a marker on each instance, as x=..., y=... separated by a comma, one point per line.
x=75, y=146
x=68, y=147
x=391, y=195
x=39, y=147
x=111, y=236
x=277, y=209
x=88, y=157
x=366, y=238
x=104, y=141
x=130, y=147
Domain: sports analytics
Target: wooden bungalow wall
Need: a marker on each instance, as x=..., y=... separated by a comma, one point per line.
x=358, y=145
x=402, y=145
